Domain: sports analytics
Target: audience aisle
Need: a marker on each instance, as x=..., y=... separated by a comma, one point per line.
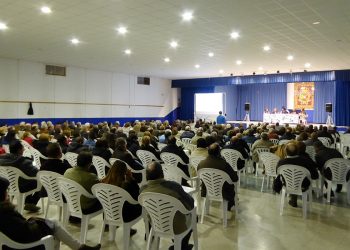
x=259, y=225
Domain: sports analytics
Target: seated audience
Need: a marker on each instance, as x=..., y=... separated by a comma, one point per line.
x=145, y=145
x=101, y=149
x=54, y=162
x=264, y=142
x=198, y=135
x=42, y=143
x=201, y=149
x=234, y=144
x=76, y=146
x=188, y=133
x=288, y=134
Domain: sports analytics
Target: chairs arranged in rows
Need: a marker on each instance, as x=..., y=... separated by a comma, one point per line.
x=141, y=171
x=293, y=177
x=112, y=199
x=344, y=143
x=72, y=158
x=214, y=180
x=274, y=141
x=232, y=156
x=100, y=165
x=162, y=209
x=258, y=151
x=146, y=157
x=325, y=141
x=269, y=161
x=48, y=242
x=37, y=156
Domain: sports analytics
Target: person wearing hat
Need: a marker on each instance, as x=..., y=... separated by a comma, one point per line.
x=17, y=228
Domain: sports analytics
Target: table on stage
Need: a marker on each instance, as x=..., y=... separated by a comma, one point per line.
x=281, y=118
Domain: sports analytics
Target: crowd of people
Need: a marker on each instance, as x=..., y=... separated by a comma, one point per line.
x=122, y=142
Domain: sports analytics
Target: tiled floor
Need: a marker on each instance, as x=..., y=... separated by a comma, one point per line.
x=258, y=226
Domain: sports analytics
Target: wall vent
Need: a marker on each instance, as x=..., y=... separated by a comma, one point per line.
x=143, y=80
x=55, y=70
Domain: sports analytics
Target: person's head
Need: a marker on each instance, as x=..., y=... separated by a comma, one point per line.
x=146, y=140
x=318, y=145
x=16, y=147
x=220, y=112
x=314, y=136
x=291, y=149
x=154, y=171
x=54, y=151
x=172, y=140
x=84, y=159
x=44, y=137
x=100, y=143
x=116, y=174
x=80, y=140
x=4, y=184
x=214, y=150
x=264, y=136
x=301, y=147
x=120, y=144
x=201, y=143
x=302, y=137
x=234, y=139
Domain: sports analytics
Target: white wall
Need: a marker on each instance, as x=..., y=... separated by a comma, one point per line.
x=25, y=81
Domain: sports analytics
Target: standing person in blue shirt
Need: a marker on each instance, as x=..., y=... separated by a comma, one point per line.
x=221, y=119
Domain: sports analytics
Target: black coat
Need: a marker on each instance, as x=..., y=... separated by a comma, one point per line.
x=324, y=155
x=127, y=157
x=55, y=165
x=171, y=148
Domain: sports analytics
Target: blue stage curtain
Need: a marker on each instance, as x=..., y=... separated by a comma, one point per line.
x=231, y=100
x=342, y=104
x=324, y=93
x=260, y=96
x=187, y=101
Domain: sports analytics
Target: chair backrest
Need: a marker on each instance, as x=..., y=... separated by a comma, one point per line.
x=275, y=141
x=6, y=148
x=214, y=180
x=37, y=155
x=146, y=157
x=261, y=149
x=100, y=164
x=161, y=145
x=112, y=199
x=310, y=150
x=72, y=191
x=270, y=161
x=27, y=153
x=141, y=171
x=231, y=156
x=171, y=159
x=49, y=180
x=339, y=168
x=195, y=160
x=325, y=141
x=172, y=173
x=162, y=209
x=26, y=145
x=293, y=176
x=48, y=242
x=281, y=142
x=345, y=139
x=186, y=140
x=179, y=142
x=72, y=158
x=11, y=174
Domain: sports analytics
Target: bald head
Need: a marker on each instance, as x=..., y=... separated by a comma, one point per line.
x=292, y=149
x=154, y=171
x=214, y=149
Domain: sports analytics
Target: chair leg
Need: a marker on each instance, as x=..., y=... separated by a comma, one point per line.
x=262, y=184
x=20, y=203
x=348, y=192
x=282, y=201
x=60, y=211
x=47, y=208
x=112, y=231
x=84, y=229
x=177, y=243
x=102, y=231
x=126, y=236
x=150, y=239
x=194, y=231
x=304, y=199
x=329, y=190
x=268, y=181
x=203, y=209
x=224, y=212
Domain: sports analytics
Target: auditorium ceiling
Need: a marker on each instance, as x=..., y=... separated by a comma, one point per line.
x=243, y=36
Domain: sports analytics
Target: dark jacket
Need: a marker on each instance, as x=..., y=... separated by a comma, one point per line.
x=239, y=147
x=323, y=156
x=102, y=152
x=55, y=165
x=152, y=150
x=41, y=146
x=25, y=165
x=127, y=157
x=75, y=147
x=179, y=152
x=130, y=211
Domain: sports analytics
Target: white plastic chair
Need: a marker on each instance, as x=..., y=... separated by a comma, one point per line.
x=37, y=155
x=274, y=141
x=100, y=164
x=339, y=168
x=281, y=142
x=293, y=176
x=141, y=171
x=49, y=180
x=325, y=141
x=195, y=160
x=310, y=150
x=6, y=147
x=112, y=199
x=26, y=145
x=269, y=160
x=146, y=157
x=72, y=158
x=186, y=142
x=161, y=146
x=214, y=180
x=72, y=191
x=157, y=204
x=258, y=151
x=232, y=156
x=344, y=143
x=48, y=242
x=12, y=174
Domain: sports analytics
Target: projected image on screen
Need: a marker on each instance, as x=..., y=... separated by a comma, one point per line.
x=207, y=106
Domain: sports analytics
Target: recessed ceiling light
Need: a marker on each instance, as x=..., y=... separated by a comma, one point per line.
x=290, y=57
x=221, y=71
x=317, y=22
x=267, y=48
x=307, y=65
x=45, y=10
x=75, y=41
x=261, y=68
x=187, y=16
x=197, y=66
x=127, y=51
x=122, y=30
x=166, y=59
x=174, y=44
x=3, y=26
x=234, y=35
x=238, y=62
x=210, y=54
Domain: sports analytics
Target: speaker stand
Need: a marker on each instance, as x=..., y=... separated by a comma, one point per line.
x=246, y=118
x=329, y=121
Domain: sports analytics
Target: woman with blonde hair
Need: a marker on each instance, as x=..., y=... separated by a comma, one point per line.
x=119, y=175
x=146, y=145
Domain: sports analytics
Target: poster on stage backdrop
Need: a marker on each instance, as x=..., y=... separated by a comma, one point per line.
x=304, y=95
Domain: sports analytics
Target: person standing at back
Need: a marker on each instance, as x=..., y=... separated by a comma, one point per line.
x=220, y=119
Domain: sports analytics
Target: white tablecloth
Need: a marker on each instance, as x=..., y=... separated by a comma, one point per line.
x=281, y=118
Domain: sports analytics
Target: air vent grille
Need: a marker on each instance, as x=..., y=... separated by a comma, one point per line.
x=55, y=70
x=143, y=80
